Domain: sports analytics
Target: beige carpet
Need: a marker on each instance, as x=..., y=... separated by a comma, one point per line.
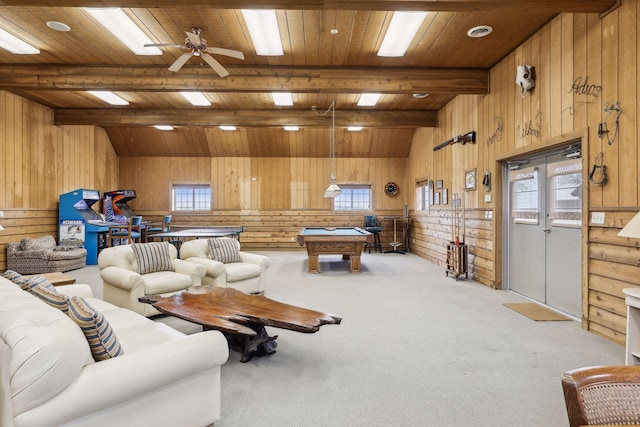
x=535, y=311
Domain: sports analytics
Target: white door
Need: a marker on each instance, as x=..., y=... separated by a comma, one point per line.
x=544, y=212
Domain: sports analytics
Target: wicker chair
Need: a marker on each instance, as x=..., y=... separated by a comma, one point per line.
x=602, y=395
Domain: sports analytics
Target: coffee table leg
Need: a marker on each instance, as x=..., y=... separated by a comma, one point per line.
x=261, y=344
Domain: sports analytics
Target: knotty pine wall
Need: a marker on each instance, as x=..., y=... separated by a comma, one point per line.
x=582, y=63
x=272, y=197
x=40, y=161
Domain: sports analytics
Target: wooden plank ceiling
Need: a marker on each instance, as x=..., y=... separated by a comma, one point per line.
x=318, y=67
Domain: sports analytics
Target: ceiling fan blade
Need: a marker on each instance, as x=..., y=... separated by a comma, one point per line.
x=180, y=62
x=194, y=39
x=226, y=52
x=162, y=45
x=215, y=65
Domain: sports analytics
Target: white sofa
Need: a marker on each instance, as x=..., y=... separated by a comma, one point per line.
x=249, y=275
x=48, y=376
x=123, y=284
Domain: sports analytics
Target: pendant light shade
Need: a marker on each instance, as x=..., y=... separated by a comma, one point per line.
x=333, y=190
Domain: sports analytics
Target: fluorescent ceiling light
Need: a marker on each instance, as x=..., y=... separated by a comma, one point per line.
x=354, y=128
x=402, y=29
x=196, y=98
x=264, y=31
x=14, y=45
x=121, y=26
x=163, y=127
x=282, y=99
x=109, y=97
x=291, y=128
x=226, y=127
x=368, y=99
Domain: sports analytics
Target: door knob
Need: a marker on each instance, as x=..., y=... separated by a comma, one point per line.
x=546, y=230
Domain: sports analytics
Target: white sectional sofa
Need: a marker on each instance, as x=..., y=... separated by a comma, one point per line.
x=48, y=376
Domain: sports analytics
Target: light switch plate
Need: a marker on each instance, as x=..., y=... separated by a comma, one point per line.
x=487, y=198
x=597, y=217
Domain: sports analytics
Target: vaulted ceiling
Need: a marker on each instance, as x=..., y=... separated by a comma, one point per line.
x=318, y=67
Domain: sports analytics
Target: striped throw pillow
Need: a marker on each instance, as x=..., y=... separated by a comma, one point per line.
x=15, y=277
x=152, y=257
x=52, y=297
x=225, y=249
x=103, y=342
x=34, y=281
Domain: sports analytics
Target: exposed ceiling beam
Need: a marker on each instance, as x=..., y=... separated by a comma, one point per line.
x=248, y=118
x=554, y=6
x=245, y=79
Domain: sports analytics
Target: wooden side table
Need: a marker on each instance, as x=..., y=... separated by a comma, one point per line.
x=632, y=298
x=57, y=278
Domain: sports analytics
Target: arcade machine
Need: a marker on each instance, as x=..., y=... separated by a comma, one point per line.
x=80, y=225
x=119, y=199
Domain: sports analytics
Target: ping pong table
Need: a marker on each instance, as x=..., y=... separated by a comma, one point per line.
x=178, y=237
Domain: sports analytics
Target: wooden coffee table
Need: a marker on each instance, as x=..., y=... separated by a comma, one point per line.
x=241, y=317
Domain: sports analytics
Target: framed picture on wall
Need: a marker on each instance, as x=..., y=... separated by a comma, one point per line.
x=436, y=200
x=445, y=196
x=470, y=180
x=438, y=184
x=430, y=190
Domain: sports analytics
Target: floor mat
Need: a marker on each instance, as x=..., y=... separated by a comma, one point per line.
x=535, y=311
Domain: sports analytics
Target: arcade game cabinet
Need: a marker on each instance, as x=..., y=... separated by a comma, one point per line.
x=117, y=201
x=80, y=225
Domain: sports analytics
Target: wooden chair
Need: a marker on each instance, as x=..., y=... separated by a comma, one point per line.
x=602, y=395
x=131, y=232
x=165, y=227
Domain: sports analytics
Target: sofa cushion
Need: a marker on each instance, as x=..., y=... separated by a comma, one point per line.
x=103, y=342
x=242, y=271
x=224, y=249
x=39, y=243
x=51, y=297
x=152, y=257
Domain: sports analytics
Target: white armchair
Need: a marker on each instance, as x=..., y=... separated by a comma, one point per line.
x=129, y=272
x=248, y=273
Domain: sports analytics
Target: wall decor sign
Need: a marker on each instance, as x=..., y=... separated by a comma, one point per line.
x=531, y=128
x=470, y=180
x=439, y=184
x=582, y=87
x=497, y=133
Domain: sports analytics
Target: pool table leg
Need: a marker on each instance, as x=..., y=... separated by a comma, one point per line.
x=354, y=266
x=313, y=264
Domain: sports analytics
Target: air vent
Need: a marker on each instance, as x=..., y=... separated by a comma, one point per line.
x=479, y=31
x=420, y=95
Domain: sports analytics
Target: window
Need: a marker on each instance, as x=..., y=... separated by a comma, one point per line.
x=423, y=192
x=353, y=198
x=565, y=180
x=185, y=197
x=524, y=195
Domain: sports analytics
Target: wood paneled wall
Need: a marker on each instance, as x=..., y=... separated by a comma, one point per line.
x=583, y=64
x=40, y=161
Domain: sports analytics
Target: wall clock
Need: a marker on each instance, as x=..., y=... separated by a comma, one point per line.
x=391, y=189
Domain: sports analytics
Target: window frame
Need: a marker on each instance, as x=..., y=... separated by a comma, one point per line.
x=193, y=186
x=344, y=187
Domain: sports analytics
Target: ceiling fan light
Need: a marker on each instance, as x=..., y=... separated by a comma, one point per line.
x=196, y=99
x=264, y=31
x=15, y=45
x=401, y=31
x=121, y=26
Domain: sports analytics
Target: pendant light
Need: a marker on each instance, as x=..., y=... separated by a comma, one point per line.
x=333, y=190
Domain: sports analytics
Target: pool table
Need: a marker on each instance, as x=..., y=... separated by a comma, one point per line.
x=346, y=241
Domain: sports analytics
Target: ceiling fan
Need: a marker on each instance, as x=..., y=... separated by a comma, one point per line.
x=194, y=45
